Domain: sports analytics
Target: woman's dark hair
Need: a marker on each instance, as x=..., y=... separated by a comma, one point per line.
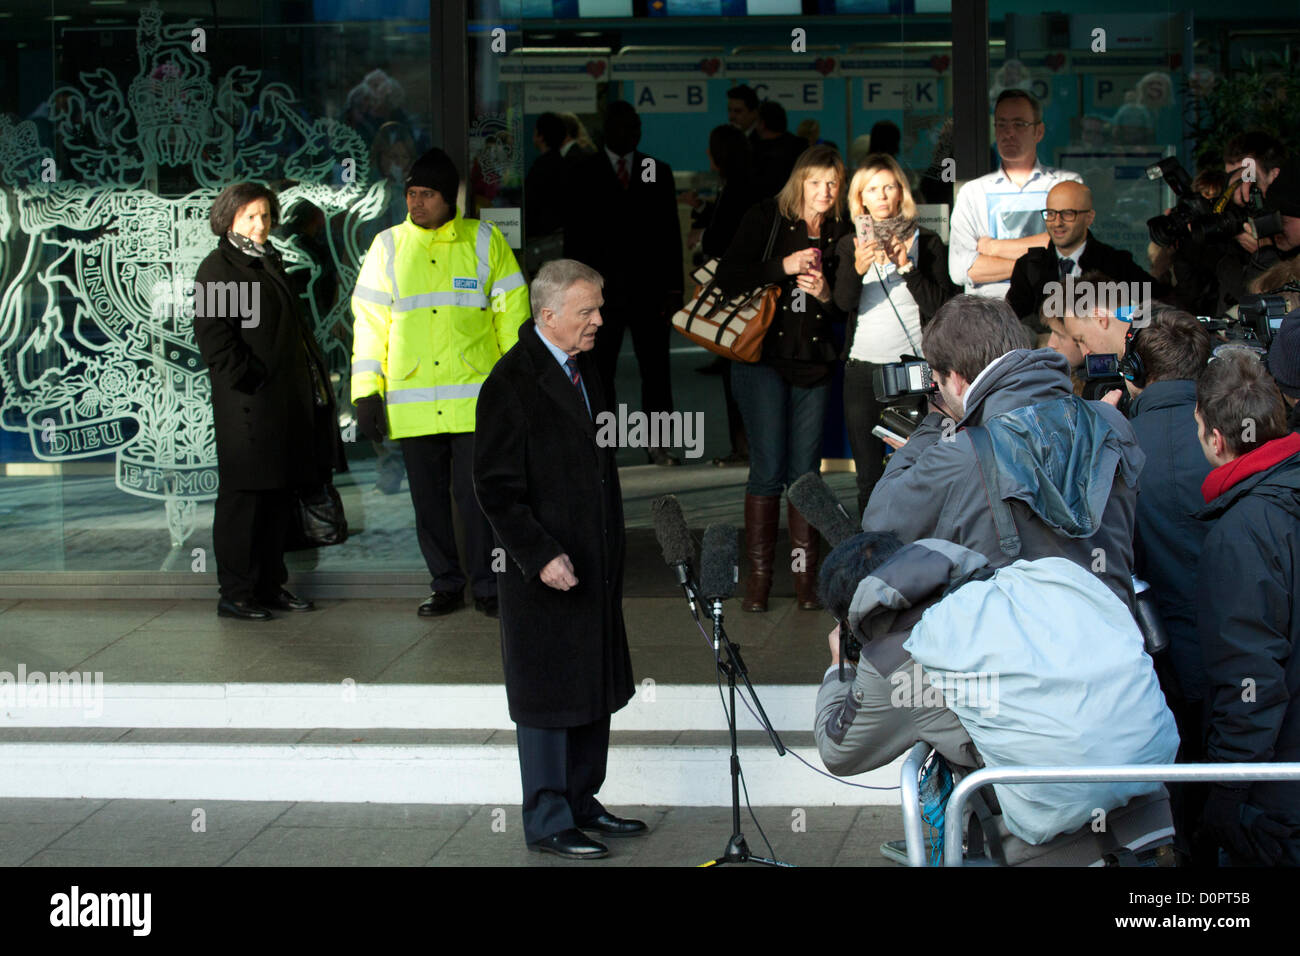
x=849, y=563
x=729, y=148
x=236, y=197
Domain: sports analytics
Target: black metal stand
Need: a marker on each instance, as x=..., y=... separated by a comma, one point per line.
x=737, y=850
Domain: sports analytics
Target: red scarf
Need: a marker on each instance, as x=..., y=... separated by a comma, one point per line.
x=1252, y=463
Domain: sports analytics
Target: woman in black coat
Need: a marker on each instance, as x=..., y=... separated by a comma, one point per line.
x=783, y=396
x=272, y=407
x=892, y=278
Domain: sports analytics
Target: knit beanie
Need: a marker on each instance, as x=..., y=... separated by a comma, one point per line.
x=435, y=170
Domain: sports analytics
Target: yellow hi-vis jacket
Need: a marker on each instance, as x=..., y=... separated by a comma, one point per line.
x=434, y=310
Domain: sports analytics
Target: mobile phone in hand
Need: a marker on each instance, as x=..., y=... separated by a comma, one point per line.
x=817, y=258
x=864, y=228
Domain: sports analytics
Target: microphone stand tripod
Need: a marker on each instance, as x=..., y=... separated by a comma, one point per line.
x=737, y=850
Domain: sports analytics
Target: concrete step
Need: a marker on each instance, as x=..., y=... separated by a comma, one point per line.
x=390, y=743
x=404, y=765
x=654, y=707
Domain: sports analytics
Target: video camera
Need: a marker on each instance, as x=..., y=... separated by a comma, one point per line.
x=1203, y=220
x=1101, y=374
x=1259, y=317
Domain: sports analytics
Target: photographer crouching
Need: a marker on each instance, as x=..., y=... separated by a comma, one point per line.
x=947, y=651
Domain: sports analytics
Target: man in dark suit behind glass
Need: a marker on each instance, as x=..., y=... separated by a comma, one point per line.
x=622, y=221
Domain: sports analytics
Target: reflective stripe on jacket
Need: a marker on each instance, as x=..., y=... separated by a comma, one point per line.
x=434, y=309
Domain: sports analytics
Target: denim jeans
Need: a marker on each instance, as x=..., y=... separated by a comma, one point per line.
x=784, y=425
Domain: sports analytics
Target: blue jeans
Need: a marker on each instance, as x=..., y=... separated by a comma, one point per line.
x=784, y=424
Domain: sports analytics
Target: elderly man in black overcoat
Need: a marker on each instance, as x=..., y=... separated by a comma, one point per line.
x=551, y=494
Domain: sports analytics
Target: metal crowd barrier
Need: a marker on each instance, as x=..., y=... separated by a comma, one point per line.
x=1131, y=773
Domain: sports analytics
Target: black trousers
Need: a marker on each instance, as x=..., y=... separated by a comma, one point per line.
x=861, y=414
x=650, y=334
x=248, y=531
x=561, y=769
x=436, y=467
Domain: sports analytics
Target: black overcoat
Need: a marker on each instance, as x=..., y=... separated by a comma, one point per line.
x=548, y=489
x=269, y=431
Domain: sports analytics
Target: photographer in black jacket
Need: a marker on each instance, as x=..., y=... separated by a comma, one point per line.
x=1164, y=358
x=1262, y=157
x=1246, y=587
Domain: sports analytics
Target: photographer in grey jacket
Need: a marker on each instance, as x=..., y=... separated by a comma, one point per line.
x=1063, y=472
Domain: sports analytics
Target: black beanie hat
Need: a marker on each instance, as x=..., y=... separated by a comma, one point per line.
x=1284, y=355
x=435, y=170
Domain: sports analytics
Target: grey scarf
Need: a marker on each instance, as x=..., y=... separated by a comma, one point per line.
x=895, y=227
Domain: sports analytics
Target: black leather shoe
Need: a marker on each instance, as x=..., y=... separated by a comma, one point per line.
x=243, y=610
x=572, y=844
x=611, y=826
x=488, y=605
x=288, y=601
x=442, y=602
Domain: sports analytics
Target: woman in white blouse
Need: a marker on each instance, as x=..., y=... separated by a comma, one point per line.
x=892, y=277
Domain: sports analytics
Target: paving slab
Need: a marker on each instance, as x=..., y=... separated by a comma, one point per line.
x=21, y=841
x=318, y=846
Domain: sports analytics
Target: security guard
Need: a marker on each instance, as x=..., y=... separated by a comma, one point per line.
x=438, y=301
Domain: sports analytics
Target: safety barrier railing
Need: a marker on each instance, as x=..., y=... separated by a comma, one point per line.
x=1131, y=773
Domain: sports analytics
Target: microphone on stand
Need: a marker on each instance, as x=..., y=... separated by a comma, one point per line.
x=676, y=544
x=813, y=499
x=719, y=570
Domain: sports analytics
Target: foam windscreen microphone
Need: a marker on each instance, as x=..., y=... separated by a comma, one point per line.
x=813, y=499
x=673, y=536
x=718, y=556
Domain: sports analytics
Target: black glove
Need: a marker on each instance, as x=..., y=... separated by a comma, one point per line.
x=371, y=419
x=1244, y=831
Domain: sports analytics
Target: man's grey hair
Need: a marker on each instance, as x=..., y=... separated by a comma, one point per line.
x=553, y=281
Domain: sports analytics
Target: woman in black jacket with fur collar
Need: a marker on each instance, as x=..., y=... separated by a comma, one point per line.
x=783, y=396
x=272, y=408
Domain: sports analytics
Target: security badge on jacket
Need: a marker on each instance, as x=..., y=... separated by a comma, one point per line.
x=426, y=333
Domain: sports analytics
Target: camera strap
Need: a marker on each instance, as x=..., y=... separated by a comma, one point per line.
x=1003, y=521
x=885, y=288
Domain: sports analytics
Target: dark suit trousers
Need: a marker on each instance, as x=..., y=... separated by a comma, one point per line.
x=561, y=769
x=435, y=466
x=650, y=334
x=861, y=414
x=248, y=531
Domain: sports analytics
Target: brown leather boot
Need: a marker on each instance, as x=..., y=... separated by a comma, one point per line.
x=762, y=514
x=804, y=536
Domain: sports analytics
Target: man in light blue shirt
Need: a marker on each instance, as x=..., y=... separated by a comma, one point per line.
x=997, y=218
